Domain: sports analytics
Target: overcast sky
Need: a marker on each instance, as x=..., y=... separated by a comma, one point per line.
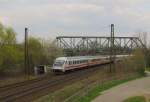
x=51, y=18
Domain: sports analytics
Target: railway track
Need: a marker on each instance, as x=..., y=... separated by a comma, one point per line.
x=28, y=91
x=26, y=82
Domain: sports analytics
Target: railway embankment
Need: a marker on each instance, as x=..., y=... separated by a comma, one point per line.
x=31, y=90
x=80, y=91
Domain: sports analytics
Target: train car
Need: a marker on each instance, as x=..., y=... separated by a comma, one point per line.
x=63, y=64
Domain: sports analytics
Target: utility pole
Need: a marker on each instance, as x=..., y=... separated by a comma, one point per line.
x=112, y=52
x=26, y=53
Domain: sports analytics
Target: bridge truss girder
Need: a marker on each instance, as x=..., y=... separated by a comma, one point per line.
x=92, y=45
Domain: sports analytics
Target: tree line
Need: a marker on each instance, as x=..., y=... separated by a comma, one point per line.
x=41, y=52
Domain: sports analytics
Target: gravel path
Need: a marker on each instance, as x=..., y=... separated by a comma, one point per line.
x=121, y=92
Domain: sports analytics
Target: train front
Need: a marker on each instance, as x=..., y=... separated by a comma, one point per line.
x=58, y=65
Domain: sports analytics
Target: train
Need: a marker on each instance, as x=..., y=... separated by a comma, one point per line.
x=63, y=64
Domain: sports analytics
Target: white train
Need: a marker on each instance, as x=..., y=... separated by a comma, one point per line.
x=63, y=64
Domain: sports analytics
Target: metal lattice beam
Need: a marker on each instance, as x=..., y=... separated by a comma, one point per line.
x=91, y=45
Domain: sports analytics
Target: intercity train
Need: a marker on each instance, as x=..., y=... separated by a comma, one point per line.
x=63, y=64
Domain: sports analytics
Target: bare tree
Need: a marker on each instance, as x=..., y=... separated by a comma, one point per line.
x=143, y=37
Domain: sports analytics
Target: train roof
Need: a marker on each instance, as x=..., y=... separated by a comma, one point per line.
x=86, y=57
x=80, y=57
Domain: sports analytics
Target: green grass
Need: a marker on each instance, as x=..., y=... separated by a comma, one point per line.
x=99, y=88
x=147, y=69
x=136, y=99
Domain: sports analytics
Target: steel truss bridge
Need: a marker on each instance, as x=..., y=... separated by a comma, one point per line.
x=92, y=45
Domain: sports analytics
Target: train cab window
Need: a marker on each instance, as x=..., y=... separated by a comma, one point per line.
x=59, y=63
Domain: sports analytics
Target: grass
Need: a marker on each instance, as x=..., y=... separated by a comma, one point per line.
x=92, y=94
x=147, y=69
x=136, y=99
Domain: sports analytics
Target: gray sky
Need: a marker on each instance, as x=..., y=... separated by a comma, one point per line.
x=51, y=18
